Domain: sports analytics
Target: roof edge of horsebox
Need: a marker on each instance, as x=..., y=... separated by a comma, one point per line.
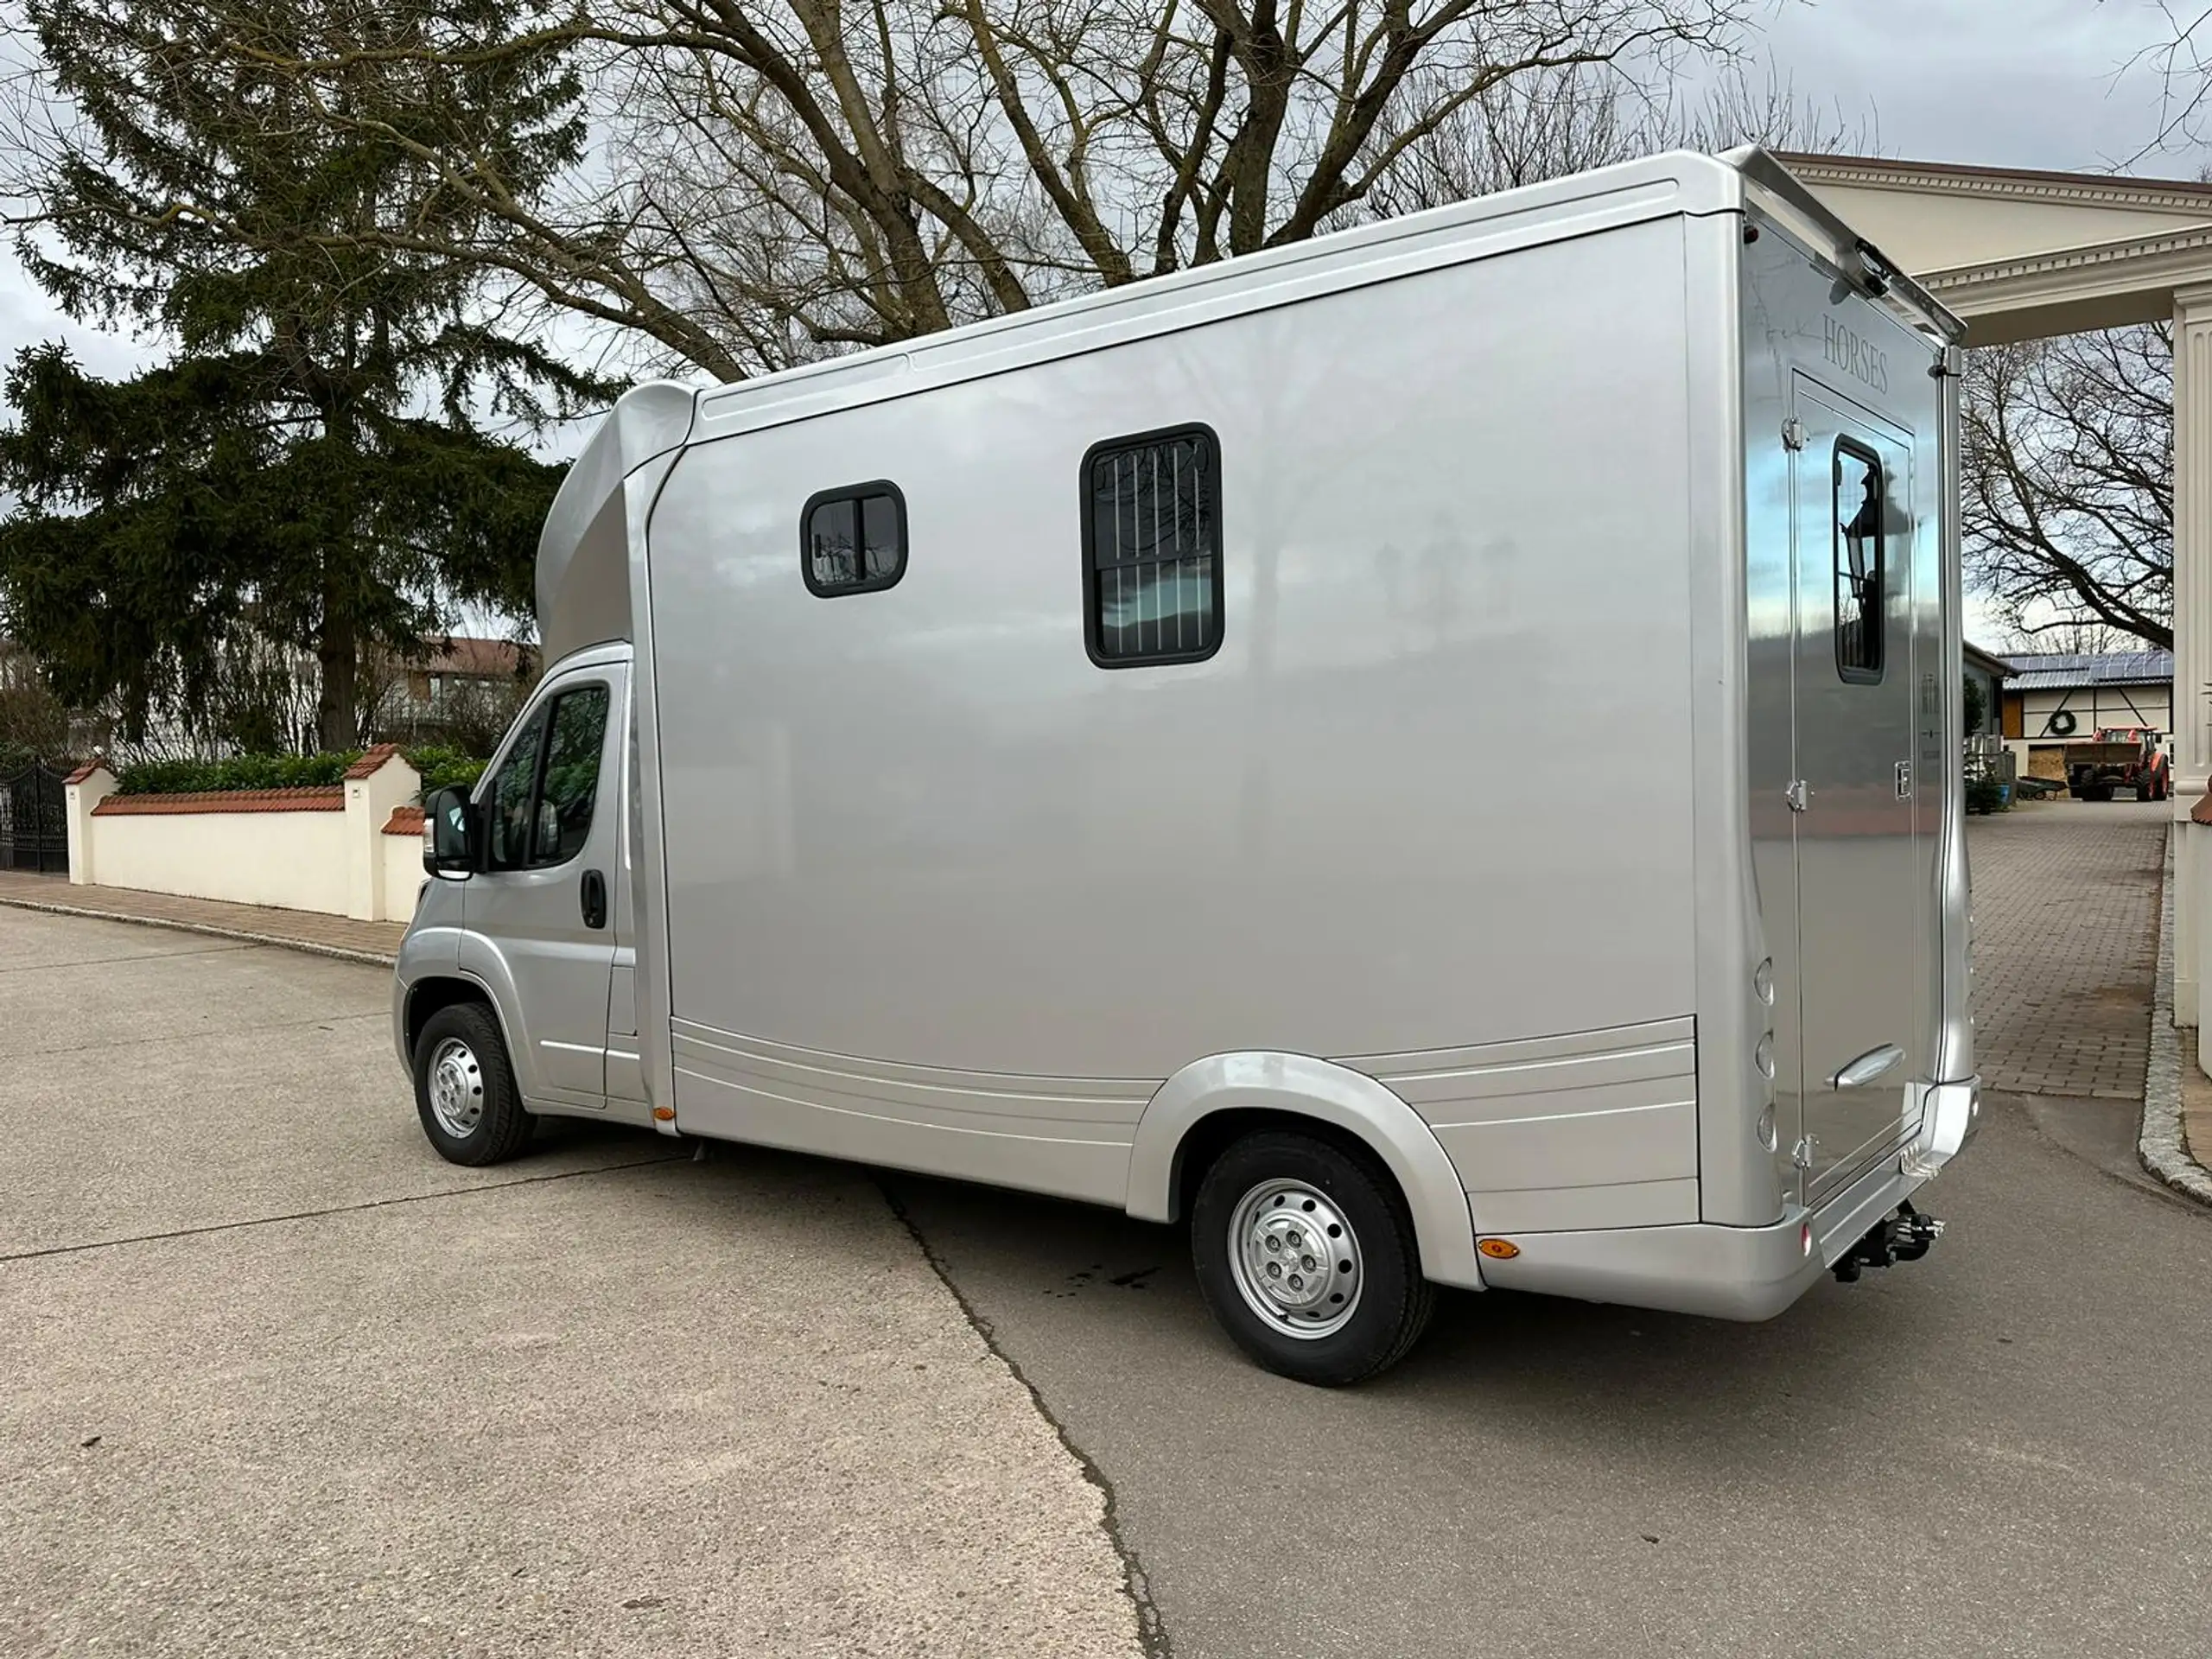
x=1680, y=182
x=1772, y=185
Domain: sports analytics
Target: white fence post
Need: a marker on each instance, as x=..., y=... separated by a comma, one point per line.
x=84, y=788
x=375, y=784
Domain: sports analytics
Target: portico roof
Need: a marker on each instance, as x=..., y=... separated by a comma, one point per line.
x=2019, y=254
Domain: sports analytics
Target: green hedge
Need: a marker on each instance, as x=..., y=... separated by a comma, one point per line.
x=444, y=768
x=233, y=772
x=439, y=767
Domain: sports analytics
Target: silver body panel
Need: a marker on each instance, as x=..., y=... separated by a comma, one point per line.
x=1450, y=843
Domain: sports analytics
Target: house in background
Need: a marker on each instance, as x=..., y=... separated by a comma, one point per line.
x=452, y=677
x=2056, y=697
x=1988, y=672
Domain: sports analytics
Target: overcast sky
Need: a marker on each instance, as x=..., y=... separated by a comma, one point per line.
x=2017, y=83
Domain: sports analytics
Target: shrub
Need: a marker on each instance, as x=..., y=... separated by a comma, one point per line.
x=233, y=772
x=444, y=768
x=1986, y=795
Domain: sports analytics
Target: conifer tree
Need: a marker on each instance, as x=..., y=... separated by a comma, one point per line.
x=306, y=466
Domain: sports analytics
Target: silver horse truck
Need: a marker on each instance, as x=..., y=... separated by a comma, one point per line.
x=1430, y=755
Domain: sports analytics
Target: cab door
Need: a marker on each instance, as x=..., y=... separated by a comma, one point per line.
x=539, y=911
x=1854, y=795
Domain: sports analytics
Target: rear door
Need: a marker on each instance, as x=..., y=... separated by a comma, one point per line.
x=1858, y=893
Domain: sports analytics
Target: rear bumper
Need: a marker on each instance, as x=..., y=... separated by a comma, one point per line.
x=1735, y=1272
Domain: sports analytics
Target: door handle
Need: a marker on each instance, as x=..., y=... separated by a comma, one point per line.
x=1867, y=1067
x=594, y=898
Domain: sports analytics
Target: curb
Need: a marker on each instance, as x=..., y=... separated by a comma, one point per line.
x=342, y=953
x=2160, y=1147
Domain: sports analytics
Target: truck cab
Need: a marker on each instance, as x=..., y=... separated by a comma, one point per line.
x=526, y=930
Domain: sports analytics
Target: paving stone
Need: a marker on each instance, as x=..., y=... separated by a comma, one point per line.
x=2066, y=946
x=338, y=936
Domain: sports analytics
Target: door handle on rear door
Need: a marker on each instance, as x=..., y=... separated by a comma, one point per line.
x=1867, y=1067
x=594, y=898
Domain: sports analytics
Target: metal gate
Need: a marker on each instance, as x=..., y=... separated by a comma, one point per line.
x=34, y=821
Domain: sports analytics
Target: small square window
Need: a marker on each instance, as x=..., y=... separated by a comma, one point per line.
x=1151, y=549
x=1860, y=494
x=854, y=540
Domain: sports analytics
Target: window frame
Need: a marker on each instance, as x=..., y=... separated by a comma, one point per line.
x=1874, y=623
x=550, y=704
x=1093, y=609
x=854, y=493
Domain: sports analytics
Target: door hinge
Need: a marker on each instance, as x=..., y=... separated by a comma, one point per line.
x=1793, y=433
x=1797, y=795
x=1802, y=1154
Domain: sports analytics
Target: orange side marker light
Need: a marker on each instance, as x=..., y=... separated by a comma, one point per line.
x=665, y=1114
x=1499, y=1249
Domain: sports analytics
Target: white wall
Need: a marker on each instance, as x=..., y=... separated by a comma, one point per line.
x=294, y=860
x=333, y=857
x=403, y=876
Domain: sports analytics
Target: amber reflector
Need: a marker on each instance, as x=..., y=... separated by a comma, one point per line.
x=1499, y=1249
x=665, y=1114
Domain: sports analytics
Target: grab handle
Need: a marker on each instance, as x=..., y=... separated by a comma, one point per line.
x=1867, y=1067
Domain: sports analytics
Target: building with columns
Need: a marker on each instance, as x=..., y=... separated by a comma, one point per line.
x=2026, y=256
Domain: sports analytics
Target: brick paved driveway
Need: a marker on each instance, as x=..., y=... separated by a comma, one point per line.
x=2066, y=911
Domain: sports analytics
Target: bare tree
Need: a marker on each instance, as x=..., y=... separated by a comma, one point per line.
x=2180, y=62
x=2068, y=462
x=1546, y=125
x=770, y=183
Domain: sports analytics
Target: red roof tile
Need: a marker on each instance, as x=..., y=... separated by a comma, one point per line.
x=371, y=762
x=318, y=798
x=87, y=770
x=2202, y=812
x=404, y=821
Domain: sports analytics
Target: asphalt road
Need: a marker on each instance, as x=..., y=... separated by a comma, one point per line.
x=2006, y=1448
x=275, y=1380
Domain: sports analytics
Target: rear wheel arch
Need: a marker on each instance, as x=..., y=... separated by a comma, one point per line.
x=1212, y=1103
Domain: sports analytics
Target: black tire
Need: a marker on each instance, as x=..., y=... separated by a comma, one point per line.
x=1391, y=1304
x=2102, y=792
x=491, y=1123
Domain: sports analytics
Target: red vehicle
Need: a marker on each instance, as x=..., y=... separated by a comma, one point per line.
x=2119, y=757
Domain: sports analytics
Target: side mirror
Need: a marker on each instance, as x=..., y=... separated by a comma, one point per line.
x=450, y=834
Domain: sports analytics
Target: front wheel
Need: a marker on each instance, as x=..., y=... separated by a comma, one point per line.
x=465, y=1088
x=1306, y=1257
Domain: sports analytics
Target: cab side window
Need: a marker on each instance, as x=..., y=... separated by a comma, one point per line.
x=539, y=812
x=506, y=809
x=571, y=785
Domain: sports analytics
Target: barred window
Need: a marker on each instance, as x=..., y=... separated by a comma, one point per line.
x=855, y=539
x=1859, y=561
x=1151, y=548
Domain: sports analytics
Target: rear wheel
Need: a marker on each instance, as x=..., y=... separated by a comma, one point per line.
x=465, y=1088
x=1305, y=1255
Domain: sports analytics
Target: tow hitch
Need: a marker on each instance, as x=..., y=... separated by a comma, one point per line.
x=1904, y=1236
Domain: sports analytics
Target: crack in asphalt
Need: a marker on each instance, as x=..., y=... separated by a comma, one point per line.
x=323, y=1020
x=333, y=1210
x=110, y=962
x=1152, y=1633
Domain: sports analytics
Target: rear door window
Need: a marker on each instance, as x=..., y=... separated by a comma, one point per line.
x=1861, y=491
